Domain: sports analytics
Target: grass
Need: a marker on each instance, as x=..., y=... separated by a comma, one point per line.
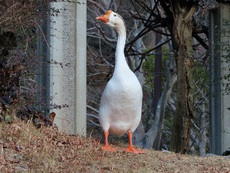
x=24, y=148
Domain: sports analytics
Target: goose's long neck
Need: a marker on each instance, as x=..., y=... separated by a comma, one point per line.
x=120, y=62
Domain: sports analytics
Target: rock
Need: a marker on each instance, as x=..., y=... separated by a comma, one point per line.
x=226, y=153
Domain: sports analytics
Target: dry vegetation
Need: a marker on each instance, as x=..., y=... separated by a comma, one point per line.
x=24, y=148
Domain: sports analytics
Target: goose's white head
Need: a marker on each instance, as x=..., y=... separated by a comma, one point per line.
x=113, y=20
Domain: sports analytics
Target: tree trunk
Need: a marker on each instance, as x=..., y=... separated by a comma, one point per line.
x=182, y=42
x=157, y=86
x=157, y=123
x=157, y=73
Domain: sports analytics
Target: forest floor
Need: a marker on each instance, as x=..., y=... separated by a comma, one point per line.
x=24, y=148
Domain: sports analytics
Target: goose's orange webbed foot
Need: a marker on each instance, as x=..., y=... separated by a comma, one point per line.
x=108, y=148
x=131, y=149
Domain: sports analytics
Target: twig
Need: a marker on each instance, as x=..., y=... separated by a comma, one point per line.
x=92, y=108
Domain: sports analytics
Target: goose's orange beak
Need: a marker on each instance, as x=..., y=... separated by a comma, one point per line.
x=105, y=17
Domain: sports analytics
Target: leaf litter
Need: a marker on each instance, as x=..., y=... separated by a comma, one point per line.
x=25, y=148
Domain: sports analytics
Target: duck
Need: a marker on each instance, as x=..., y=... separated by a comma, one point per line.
x=121, y=101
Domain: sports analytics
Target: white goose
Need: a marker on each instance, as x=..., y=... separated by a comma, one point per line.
x=121, y=101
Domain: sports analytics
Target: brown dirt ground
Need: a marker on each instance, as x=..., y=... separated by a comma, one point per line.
x=24, y=148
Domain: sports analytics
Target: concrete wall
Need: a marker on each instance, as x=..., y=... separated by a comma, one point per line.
x=68, y=65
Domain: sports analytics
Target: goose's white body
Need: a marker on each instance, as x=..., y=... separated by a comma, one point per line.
x=121, y=101
x=120, y=108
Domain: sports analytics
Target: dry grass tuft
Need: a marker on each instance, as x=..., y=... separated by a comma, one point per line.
x=24, y=148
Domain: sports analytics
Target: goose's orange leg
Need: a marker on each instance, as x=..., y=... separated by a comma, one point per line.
x=131, y=148
x=107, y=147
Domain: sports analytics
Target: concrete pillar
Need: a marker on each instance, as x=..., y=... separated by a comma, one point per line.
x=220, y=79
x=80, y=68
x=225, y=76
x=68, y=65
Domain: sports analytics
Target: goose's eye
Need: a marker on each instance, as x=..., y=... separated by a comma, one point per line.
x=115, y=15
